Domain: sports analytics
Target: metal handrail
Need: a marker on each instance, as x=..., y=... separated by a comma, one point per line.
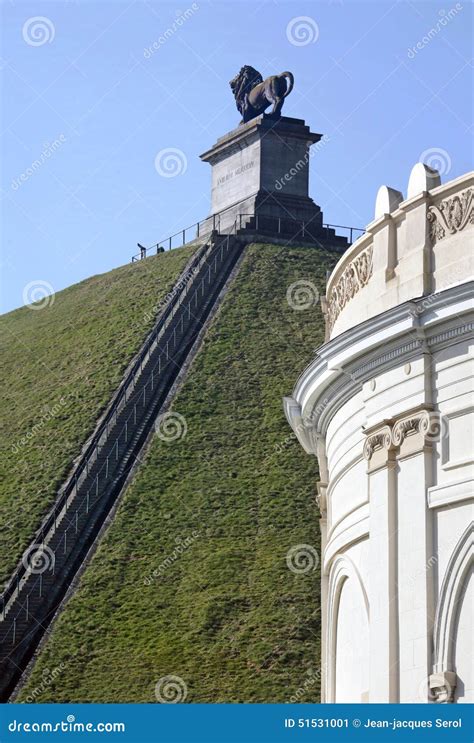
x=302, y=225
x=216, y=227
x=60, y=507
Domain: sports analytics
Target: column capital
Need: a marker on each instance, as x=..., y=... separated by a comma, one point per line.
x=378, y=445
x=414, y=432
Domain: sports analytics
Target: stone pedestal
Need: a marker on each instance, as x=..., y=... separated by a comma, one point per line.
x=260, y=176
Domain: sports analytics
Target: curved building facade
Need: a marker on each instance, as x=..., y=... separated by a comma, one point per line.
x=387, y=407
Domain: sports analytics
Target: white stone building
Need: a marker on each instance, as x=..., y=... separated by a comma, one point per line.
x=387, y=406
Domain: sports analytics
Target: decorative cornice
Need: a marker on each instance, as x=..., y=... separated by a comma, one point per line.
x=354, y=277
x=343, y=364
x=451, y=215
x=395, y=353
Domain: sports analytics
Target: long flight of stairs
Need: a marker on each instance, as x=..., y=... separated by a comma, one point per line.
x=50, y=563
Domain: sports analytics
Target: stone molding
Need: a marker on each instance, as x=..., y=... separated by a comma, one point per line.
x=456, y=575
x=338, y=373
x=321, y=498
x=354, y=277
x=343, y=569
x=442, y=686
x=451, y=215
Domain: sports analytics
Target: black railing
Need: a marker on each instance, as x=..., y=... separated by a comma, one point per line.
x=213, y=224
x=297, y=227
x=170, y=305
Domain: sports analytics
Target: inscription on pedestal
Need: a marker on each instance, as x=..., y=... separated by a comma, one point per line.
x=237, y=171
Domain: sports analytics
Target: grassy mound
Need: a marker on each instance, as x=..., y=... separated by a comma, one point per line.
x=61, y=361
x=192, y=578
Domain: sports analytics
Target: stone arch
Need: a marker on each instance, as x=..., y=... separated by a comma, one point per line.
x=443, y=679
x=343, y=569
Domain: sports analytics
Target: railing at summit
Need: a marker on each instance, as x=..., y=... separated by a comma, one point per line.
x=279, y=226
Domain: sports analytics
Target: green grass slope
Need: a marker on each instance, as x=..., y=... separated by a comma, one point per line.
x=192, y=579
x=60, y=363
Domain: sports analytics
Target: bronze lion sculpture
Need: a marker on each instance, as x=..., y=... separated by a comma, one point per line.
x=253, y=95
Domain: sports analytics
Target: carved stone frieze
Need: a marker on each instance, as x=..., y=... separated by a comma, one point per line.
x=353, y=278
x=451, y=215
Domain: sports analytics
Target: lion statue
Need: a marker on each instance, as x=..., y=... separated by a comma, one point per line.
x=253, y=95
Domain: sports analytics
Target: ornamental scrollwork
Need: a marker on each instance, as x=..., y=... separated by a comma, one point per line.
x=354, y=277
x=380, y=439
x=430, y=425
x=451, y=215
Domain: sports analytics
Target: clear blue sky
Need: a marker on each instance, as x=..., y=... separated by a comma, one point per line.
x=82, y=78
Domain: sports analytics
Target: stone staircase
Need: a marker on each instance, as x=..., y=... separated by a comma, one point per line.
x=50, y=563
